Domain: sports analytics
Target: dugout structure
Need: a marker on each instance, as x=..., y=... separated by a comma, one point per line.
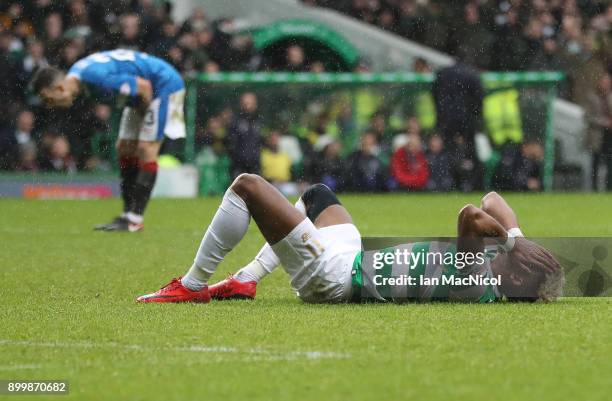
x=517, y=107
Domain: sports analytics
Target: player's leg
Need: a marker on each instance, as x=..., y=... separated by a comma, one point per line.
x=164, y=118
x=321, y=205
x=127, y=146
x=249, y=195
x=148, y=152
x=128, y=170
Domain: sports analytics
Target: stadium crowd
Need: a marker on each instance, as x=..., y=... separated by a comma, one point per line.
x=503, y=35
x=572, y=36
x=35, y=33
x=388, y=155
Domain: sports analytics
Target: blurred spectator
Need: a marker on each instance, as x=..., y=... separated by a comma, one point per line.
x=212, y=135
x=17, y=142
x=424, y=105
x=130, y=32
x=378, y=126
x=24, y=129
x=103, y=141
x=364, y=171
x=166, y=40
x=325, y=165
x=317, y=67
x=52, y=36
x=275, y=165
x=472, y=41
x=34, y=59
x=295, y=59
x=440, y=165
x=547, y=57
x=458, y=96
x=56, y=156
x=409, y=165
x=509, y=46
x=599, y=133
x=243, y=139
x=8, y=74
x=28, y=158
x=529, y=167
x=520, y=167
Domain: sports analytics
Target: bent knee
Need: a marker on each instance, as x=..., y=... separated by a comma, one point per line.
x=317, y=198
x=246, y=183
x=316, y=191
x=126, y=148
x=148, y=151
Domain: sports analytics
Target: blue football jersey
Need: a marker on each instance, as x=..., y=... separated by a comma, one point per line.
x=111, y=75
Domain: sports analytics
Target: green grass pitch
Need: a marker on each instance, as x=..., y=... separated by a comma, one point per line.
x=67, y=311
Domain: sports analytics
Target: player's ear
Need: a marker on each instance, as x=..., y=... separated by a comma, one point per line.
x=61, y=86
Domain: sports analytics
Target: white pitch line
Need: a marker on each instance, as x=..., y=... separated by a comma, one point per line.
x=19, y=367
x=252, y=352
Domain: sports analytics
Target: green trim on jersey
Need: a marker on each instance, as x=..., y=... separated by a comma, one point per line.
x=440, y=293
x=357, y=278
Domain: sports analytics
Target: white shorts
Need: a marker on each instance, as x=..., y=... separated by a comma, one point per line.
x=165, y=117
x=319, y=260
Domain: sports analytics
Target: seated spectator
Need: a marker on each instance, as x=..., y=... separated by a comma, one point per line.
x=378, y=126
x=56, y=156
x=275, y=165
x=28, y=158
x=529, y=167
x=364, y=170
x=409, y=165
x=325, y=165
x=131, y=35
x=317, y=67
x=103, y=139
x=440, y=165
x=295, y=59
x=212, y=135
x=520, y=167
x=13, y=142
x=34, y=59
x=24, y=129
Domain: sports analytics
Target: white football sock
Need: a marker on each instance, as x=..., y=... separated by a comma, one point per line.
x=266, y=260
x=134, y=218
x=224, y=232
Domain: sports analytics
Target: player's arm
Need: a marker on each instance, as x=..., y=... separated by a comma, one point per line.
x=474, y=225
x=144, y=89
x=525, y=253
x=494, y=205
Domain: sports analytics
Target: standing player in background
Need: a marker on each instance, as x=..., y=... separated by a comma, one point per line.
x=150, y=92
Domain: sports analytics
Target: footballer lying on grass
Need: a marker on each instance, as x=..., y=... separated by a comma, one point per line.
x=320, y=249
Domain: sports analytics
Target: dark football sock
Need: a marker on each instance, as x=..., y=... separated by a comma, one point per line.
x=144, y=185
x=128, y=171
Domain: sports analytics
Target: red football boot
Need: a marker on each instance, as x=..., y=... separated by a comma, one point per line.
x=230, y=288
x=175, y=292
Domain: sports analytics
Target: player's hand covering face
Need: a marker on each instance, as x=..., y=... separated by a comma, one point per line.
x=529, y=257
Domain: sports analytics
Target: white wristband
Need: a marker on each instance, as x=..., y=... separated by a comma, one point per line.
x=507, y=247
x=515, y=232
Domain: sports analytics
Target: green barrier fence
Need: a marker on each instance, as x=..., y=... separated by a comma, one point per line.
x=517, y=106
